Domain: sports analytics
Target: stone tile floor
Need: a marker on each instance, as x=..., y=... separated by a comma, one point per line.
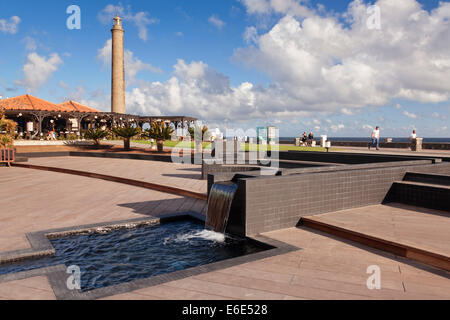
x=175, y=175
x=417, y=227
x=34, y=200
x=324, y=268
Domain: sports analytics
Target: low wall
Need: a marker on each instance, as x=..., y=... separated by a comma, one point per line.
x=396, y=145
x=346, y=157
x=270, y=203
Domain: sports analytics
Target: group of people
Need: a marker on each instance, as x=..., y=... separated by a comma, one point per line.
x=376, y=138
x=307, y=139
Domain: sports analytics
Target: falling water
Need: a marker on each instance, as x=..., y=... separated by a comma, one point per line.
x=219, y=205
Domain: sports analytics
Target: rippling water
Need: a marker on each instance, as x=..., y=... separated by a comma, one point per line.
x=126, y=255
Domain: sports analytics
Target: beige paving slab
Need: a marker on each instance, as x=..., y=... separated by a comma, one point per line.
x=304, y=274
x=40, y=200
x=423, y=229
x=324, y=267
x=182, y=176
x=37, y=288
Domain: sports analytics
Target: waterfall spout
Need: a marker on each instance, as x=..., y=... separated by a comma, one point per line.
x=219, y=205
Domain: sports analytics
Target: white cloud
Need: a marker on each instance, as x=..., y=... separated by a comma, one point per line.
x=30, y=43
x=140, y=19
x=11, y=26
x=133, y=65
x=257, y=6
x=179, y=34
x=410, y=115
x=336, y=128
x=37, y=70
x=197, y=90
x=250, y=35
x=317, y=63
x=347, y=112
x=292, y=7
x=215, y=21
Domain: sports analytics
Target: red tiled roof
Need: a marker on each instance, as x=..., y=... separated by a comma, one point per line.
x=27, y=102
x=75, y=106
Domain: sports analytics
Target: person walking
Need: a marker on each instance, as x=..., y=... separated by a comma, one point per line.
x=375, y=138
x=310, y=139
x=304, y=138
x=412, y=139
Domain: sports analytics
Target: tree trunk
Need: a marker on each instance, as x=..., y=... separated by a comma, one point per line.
x=160, y=144
x=126, y=144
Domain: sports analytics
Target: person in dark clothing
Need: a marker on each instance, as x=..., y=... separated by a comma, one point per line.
x=310, y=139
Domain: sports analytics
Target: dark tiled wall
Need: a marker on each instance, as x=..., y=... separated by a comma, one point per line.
x=272, y=203
x=433, y=197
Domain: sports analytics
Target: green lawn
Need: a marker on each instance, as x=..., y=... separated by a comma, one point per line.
x=173, y=144
x=247, y=147
x=255, y=147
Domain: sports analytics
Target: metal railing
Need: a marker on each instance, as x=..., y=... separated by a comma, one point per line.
x=7, y=156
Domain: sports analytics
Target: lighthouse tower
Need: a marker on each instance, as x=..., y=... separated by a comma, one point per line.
x=118, y=68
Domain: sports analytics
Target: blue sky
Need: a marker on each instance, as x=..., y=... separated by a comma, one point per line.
x=240, y=62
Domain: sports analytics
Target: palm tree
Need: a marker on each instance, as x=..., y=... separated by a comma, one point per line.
x=206, y=135
x=195, y=136
x=160, y=132
x=96, y=134
x=127, y=133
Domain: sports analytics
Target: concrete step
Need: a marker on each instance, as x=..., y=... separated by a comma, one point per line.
x=426, y=195
x=435, y=179
x=424, y=255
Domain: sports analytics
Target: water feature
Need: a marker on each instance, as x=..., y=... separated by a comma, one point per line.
x=219, y=205
x=126, y=255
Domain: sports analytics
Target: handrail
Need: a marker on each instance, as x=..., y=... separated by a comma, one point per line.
x=7, y=156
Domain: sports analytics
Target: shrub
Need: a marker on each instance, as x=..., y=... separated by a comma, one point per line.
x=7, y=126
x=96, y=134
x=126, y=133
x=160, y=132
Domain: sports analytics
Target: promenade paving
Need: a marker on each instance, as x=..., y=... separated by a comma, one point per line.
x=183, y=176
x=324, y=267
x=34, y=200
x=411, y=226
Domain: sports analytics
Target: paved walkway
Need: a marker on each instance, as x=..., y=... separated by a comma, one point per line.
x=175, y=175
x=34, y=200
x=324, y=268
x=37, y=288
x=416, y=227
x=394, y=151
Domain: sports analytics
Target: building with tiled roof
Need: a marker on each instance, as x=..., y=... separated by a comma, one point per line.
x=27, y=102
x=30, y=103
x=33, y=115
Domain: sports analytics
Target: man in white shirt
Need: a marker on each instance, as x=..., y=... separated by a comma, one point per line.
x=375, y=138
x=412, y=139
